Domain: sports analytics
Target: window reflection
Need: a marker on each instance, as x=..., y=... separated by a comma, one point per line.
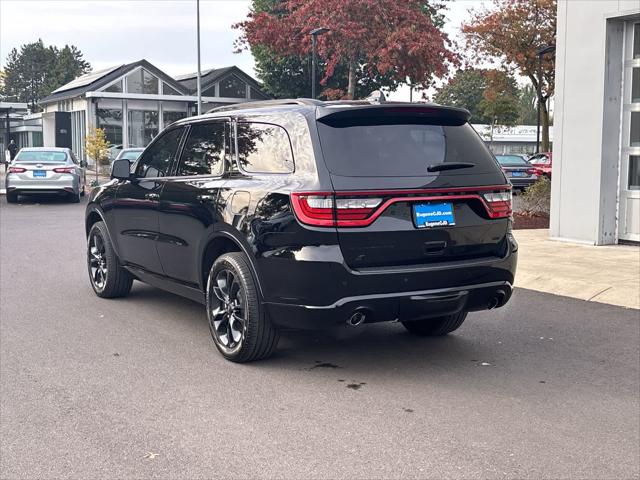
x=232, y=86
x=110, y=120
x=204, y=150
x=143, y=127
x=142, y=81
x=264, y=148
x=157, y=159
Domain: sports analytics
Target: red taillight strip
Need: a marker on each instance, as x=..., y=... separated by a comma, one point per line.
x=304, y=213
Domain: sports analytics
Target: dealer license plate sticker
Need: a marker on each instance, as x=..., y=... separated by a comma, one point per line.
x=429, y=215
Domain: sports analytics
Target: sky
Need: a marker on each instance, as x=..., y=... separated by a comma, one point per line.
x=115, y=32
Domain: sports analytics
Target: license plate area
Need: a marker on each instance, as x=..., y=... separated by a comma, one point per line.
x=517, y=174
x=436, y=214
x=39, y=174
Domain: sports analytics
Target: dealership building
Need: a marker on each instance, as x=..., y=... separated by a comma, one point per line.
x=134, y=102
x=595, y=193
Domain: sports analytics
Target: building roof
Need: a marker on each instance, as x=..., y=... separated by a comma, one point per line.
x=212, y=75
x=94, y=80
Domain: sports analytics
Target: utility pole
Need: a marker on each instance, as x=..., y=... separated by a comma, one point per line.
x=198, y=78
x=314, y=33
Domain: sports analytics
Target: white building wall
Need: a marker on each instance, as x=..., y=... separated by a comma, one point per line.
x=586, y=156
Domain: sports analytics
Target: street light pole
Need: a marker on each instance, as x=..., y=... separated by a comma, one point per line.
x=314, y=34
x=541, y=53
x=199, y=87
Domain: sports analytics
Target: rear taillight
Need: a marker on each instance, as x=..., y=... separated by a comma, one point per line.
x=321, y=209
x=17, y=170
x=359, y=209
x=498, y=203
x=64, y=170
x=532, y=171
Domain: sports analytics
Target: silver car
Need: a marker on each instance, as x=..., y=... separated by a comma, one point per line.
x=45, y=170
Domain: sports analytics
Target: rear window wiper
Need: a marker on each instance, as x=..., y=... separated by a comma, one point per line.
x=438, y=167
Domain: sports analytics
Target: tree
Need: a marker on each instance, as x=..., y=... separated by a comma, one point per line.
x=465, y=89
x=34, y=71
x=500, y=99
x=97, y=147
x=513, y=32
x=527, y=106
x=370, y=38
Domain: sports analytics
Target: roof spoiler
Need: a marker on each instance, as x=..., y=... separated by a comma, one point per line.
x=427, y=112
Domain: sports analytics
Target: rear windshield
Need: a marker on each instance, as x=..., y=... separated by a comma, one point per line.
x=511, y=160
x=41, y=157
x=399, y=147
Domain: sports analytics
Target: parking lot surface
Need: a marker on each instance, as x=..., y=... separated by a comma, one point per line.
x=90, y=388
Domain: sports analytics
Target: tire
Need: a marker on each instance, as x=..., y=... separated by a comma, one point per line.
x=83, y=191
x=108, y=278
x=240, y=328
x=12, y=197
x=436, y=327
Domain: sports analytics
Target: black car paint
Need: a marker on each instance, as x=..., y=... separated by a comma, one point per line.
x=165, y=230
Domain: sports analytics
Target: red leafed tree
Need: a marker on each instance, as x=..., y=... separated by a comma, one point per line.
x=390, y=37
x=513, y=32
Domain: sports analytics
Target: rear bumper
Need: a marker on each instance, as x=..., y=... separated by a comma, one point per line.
x=523, y=182
x=317, y=295
x=392, y=307
x=68, y=184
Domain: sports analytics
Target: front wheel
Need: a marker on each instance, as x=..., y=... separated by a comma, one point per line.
x=435, y=327
x=240, y=328
x=108, y=278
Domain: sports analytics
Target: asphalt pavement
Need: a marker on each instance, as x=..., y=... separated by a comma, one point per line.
x=546, y=387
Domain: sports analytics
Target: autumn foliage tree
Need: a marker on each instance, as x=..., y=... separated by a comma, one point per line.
x=397, y=38
x=513, y=32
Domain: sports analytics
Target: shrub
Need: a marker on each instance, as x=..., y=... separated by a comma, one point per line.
x=536, y=200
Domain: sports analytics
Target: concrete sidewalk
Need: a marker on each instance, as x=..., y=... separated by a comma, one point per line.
x=607, y=274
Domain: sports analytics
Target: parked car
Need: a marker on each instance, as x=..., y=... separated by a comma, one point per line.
x=518, y=170
x=542, y=163
x=130, y=154
x=41, y=170
x=114, y=151
x=306, y=214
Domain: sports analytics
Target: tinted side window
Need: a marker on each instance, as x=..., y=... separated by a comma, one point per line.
x=156, y=160
x=204, y=150
x=264, y=148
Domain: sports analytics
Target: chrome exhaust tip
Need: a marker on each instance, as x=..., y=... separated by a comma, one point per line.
x=357, y=318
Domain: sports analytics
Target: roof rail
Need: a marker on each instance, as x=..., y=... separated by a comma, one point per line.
x=266, y=103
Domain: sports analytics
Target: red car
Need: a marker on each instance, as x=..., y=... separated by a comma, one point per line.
x=542, y=164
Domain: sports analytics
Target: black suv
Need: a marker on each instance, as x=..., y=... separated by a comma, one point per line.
x=307, y=214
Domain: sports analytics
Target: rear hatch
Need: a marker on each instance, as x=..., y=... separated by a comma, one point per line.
x=414, y=185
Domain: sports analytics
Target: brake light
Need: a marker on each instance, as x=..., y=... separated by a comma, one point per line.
x=321, y=209
x=64, y=170
x=498, y=203
x=532, y=171
x=360, y=209
x=17, y=170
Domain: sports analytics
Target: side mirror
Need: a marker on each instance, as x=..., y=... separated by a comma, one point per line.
x=121, y=169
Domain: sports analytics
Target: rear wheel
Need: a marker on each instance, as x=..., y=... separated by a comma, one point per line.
x=108, y=278
x=12, y=197
x=240, y=328
x=438, y=326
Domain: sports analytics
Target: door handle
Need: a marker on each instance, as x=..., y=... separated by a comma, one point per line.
x=152, y=196
x=206, y=198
